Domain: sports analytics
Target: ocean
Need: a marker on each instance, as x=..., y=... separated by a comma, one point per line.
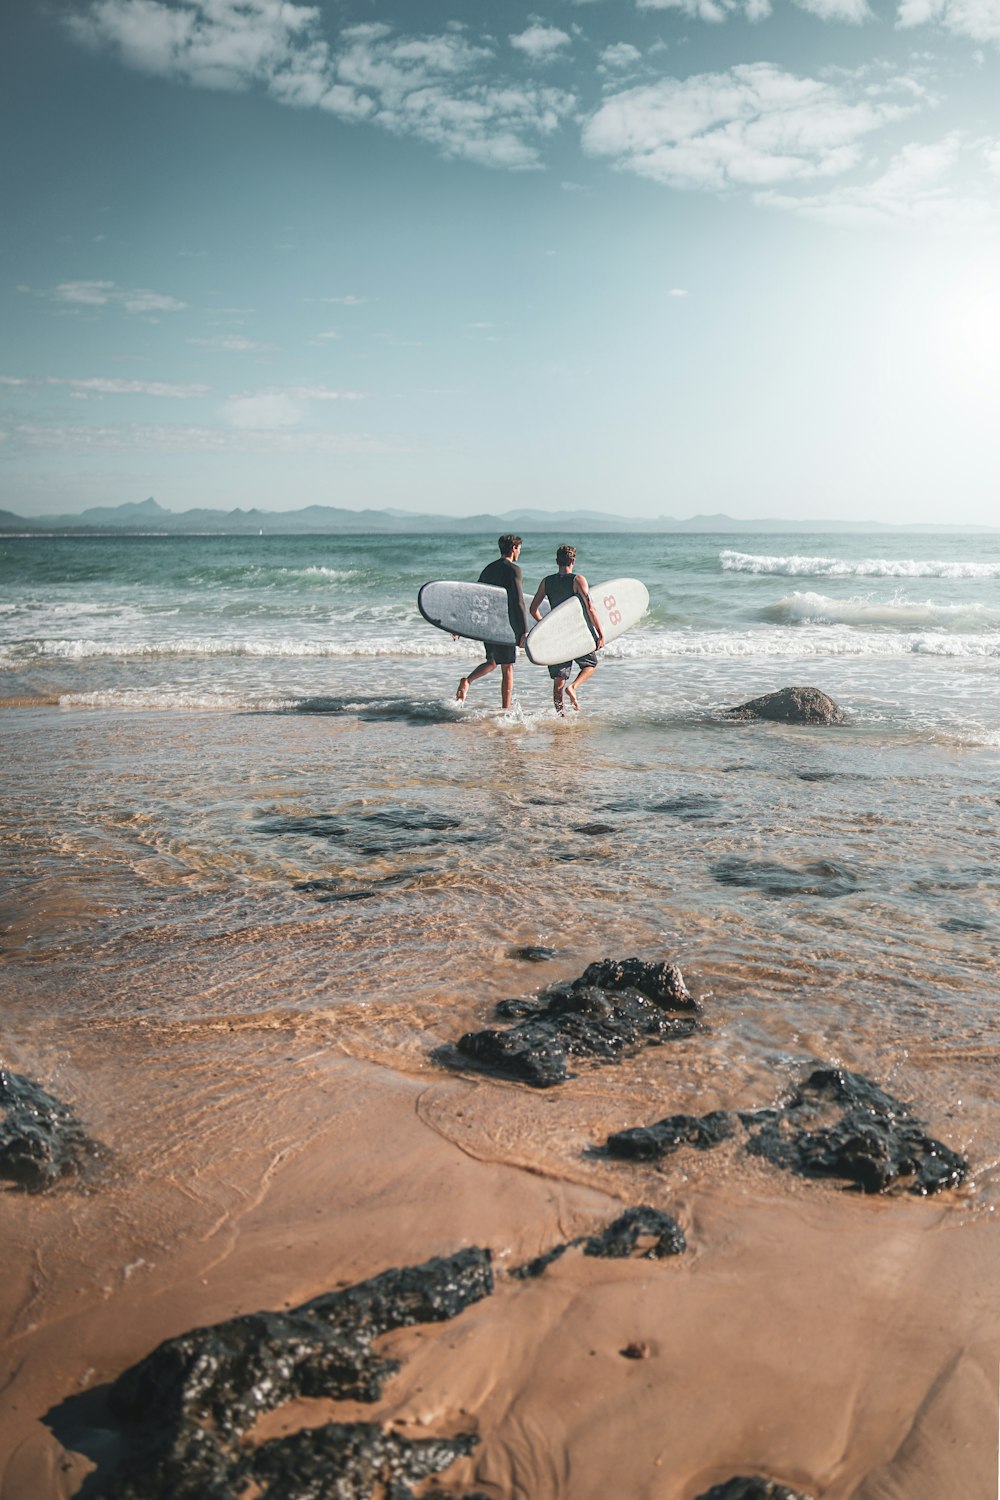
x=263, y=731
x=259, y=866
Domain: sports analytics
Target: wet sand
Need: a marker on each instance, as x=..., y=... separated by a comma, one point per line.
x=843, y=1345
x=259, y=1066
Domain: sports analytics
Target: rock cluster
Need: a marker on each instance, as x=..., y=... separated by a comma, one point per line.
x=612, y=1009
x=188, y=1406
x=836, y=1124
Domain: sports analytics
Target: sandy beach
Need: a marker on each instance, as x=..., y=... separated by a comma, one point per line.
x=842, y=1345
x=261, y=873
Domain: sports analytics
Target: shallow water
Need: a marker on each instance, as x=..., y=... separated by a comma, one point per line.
x=240, y=792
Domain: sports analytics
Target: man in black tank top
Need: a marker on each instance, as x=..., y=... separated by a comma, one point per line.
x=502, y=573
x=557, y=588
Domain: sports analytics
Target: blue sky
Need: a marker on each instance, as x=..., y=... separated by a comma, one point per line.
x=652, y=257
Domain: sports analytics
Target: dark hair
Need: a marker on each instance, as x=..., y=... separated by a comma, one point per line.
x=507, y=544
x=565, y=556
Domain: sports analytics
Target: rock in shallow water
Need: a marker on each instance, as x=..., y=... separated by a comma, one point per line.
x=837, y=1124
x=612, y=1009
x=189, y=1404
x=41, y=1140
x=791, y=705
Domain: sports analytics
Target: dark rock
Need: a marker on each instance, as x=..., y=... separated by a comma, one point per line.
x=652, y=1142
x=344, y=1461
x=41, y=1140
x=791, y=705
x=622, y=1238
x=646, y=1231
x=876, y=1142
x=693, y=807
x=837, y=1124
x=742, y=1488
x=191, y=1401
x=612, y=1009
x=385, y=831
x=636, y=1350
x=819, y=878
x=593, y=829
x=662, y=982
x=533, y=953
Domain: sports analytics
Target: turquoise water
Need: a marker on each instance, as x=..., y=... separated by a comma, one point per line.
x=239, y=791
x=905, y=628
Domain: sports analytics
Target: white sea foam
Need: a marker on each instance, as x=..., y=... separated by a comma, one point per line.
x=898, y=614
x=138, y=699
x=838, y=567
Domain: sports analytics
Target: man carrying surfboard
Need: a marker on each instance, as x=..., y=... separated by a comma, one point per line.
x=557, y=588
x=502, y=573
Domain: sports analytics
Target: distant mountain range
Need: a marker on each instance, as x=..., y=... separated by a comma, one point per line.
x=146, y=517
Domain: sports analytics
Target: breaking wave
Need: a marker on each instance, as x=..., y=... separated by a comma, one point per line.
x=895, y=614
x=837, y=567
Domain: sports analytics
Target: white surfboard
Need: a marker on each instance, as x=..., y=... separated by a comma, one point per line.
x=476, y=610
x=565, y=632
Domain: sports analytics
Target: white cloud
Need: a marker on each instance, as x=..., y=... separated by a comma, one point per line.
x=540, y=42
x=101, y=387
x=323, y=393
x=854, y=12
x=920, y=186
x=232, y=343
x=752, y=126
x=679, y=291
x=349, y=301
x=978, y=19
x=621, y=56
x=713, y=11
x=266, y=412
x=440, y=89
x=12, y=380
x=216, y=44
x=106, y=293
x=168, y=438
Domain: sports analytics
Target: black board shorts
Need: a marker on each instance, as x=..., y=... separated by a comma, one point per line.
x=565, y=668
x=499, y=651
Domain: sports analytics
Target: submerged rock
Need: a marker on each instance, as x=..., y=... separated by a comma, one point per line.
x=612, y=1009
x=646, y=1231
x=837, y=1124
x=742, y=1488
x=821, y=877
x=41, y=1140
x=188, y=1406
x=652, y=1142
x=791, y=705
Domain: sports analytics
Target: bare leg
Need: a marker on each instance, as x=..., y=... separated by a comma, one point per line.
x=506, y=683
x=558, y=683
x=581, y=677
x=464, y=683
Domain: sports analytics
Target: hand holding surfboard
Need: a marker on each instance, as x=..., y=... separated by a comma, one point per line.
x=479, y=612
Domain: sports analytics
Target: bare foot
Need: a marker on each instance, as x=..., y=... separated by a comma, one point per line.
x=463, y=688
x=572, y=697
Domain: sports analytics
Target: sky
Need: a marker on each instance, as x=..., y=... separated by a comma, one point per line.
x=645, y=257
